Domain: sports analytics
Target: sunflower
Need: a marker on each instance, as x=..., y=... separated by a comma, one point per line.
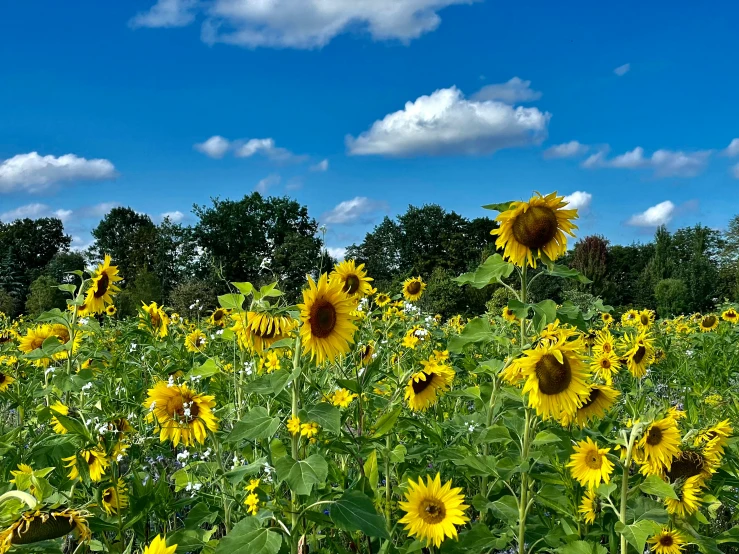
x=353, y=278
x=590, y=465
x=252, y=503
x=646, y=318
x=293, y=425
x=667, y=541
x=111, y=310
x=219, y=317
x=659, y=444
x=95, y=460
x=269, y=363
x=689, y=463
x=35, y=337
x=413, y=288
x=41, y=525
x=159, y=546
x=258, y=331
x=590, y=506
x=688, y=497
x=342, y=398
x=366, y=353
x=60, y=408
x=606, y=318
x=600, y=399
x=62, y=333
x=529, y=229
x=425, y=386
x=509, y=315
x=115, y=497
x=182, y=413
x=631, y=317
x=328, y=326
x=5, y=381
x=102, y=287
x=604, y=342
x=382, y=299
x=195, y=341
x=555, y=379
x=154, y=318
x=639, y=353
x=730, y=315
x=432, y=510
x=605, y=366
x=715, y=438
x=708, y=323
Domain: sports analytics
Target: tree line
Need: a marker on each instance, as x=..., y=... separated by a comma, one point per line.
x=265, y=239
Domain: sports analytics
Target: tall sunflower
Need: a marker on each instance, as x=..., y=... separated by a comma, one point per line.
x=667, y=541
x=195, y=341
x=600, y=399
x=219, y=317
x=730, y=315
x=182, y=413
x=529, y=229
x=425, y=386
x=154, y=318
x=328, y=326
x=659, y=444
x=257, y=331
x=604, y=342
x=95, y=460
x=639, y=353
x=688, y=500
x=35, y=337
x=41, y=525
x=102, y=287
x=432, y=510
x=555, y=378
x=353, y=278
x=115, y=497
x=689, y=463
x=590, y=465
x=413, y=288
x=708, y=323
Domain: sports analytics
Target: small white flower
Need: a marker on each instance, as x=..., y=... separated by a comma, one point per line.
x=87, y=386
x=83, y=321
x=184, y=455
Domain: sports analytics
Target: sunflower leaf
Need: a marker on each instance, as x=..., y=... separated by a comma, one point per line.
x=637, y=533
x=499, y=207
x=354, y=511
x=302, y=475
x=582, y=547
x=656, y=486
x=247, y=537
x=231, y=301
x=327, y=416
x=257, y=424
x=386, y=422
x=492, y=270
x=566, y=273
x=477, y=330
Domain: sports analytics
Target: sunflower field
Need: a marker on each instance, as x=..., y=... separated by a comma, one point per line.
x=354, y=423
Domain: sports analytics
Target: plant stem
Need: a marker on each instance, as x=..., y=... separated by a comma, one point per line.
x=523, y=504
x=388, y=489
x=635, y=430
x=488, y=423
x=295, y=451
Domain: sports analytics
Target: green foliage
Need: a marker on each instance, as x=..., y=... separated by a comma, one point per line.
x=499, y=300
x=62, y=264
x=198, y=293
x=8, y=303
x=672, y=296
x=590, y=257
x=443, y=296
x=583, y=300
x=145, y=288
x=44, y=295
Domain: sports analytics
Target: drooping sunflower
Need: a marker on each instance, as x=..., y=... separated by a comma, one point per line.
x=631, y=317
x=257, y=331
x=509, y=315
x=93, y=458
x=590, y=465
x=425, y=386
x=159, y=546
x=154, y=318
x=195, y=341
x=605, y=366
x=590, y=506
x=529, y=229
x=219, y=317
x=382, y=299
x=35, y=337
x=432, y=510
x=715, y=438
x=667, y=541
x=41, y=525
x=183, y=414
x=62, y=333
x=659, y=445
x=600, y=399
x=102, y=287
x=708, y=323
x=688, y=497
x=689, y=463
x=555, y=378
x=115, y=497
x=353, y=278
x=5, y=381
x=639, y=353
x=59, y=429
x=328, y=326
x=413, y=288
x=730, y=315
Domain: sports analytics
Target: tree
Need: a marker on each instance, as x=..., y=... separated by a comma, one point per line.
x=177, y=258
x=144, y=287
x=380, y=252
x=44, y=295
x=193, y=298
x=696, y=250
x=672, y=297
x=63, y=263
x=590, y=257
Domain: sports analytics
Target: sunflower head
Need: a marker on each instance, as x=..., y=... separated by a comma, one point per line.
x=730, y=315
x=708, y=323
x=159, y=546
x=114, y=498
x=259, y=330
x=154, y=318
x=590, y=465
x=183, y=414
x=195, y=341
x=353, y=278
x=509, y=315
x=382, y=299
x=102, y=287
x=41, y=525
x=111, y=310
x=426, y=386
x=667, y=541
x=413, y=288
x=600, y=399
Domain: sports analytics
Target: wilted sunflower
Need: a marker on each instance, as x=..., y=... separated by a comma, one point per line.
x=328, y=326
x=115, y=497
x=353, y=278
x=639, y=353
x=154, y=318
x=600, y=399
x=35, y=337
x=95, y=460
x=195, y=341
x=102, y=287
x=590, y=465
x=667, y=541
x=690, y=463
x=555, y=379
x=182, y=413
x=432, y=510
x=590, y=506
x=413, y=288
x=631, y=317
x=425, y=386
x=509, y=315
x=159, y=546
x=5, y=381
x=529, y=229
x=382, y=299
x=708, y=323
x=219, y=317
x=42, y=525
x=258, y=331
x=730, y=315
x=688, y=497
x=605, y=366
x=659, y=444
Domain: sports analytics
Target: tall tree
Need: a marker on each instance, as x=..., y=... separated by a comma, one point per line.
x=177, y=258
x=590, y=257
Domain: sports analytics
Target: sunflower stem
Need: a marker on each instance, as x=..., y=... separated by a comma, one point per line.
x=295, y=450
x=523, y=504
x=625, y=482
x=388, y=489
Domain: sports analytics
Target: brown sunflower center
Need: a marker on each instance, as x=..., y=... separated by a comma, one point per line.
x=218, y=315
x=351, y=285
x=102, y=285
x=432, y=511
x=108, y=495
x=654, y=436
x=686, y=464
x=709, y=321
x=414, y=287
x=43, y=527
x=322, y=319
x=594, y=459
x=592, y=397
x=644, y=319
x=607, y=347
x=666, y=540
x=554, y=377
x=730, y=315
x=187, y=409
x=605, y=363
x=199, y=341
x=535, y=227
x=37, y=342
x=365, y=352
x=639, y=354
x=420, y=385
x=4, y=337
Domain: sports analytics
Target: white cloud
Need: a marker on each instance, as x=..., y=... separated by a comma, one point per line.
x=357, y=210
x=664, y=163
x=80, y=244
x=622, y=70
x=578, y=200
x=337, y=252
x=298, y=23
x=566, y=150
x=175, y=216
x=320, y=166
x=35, y=211
x=661, y=214
x=733, y=149
x=445, y=123
x=166, y=13
x=215, y=147
x=512, y=92
x=34, y=173
x=265, y=147
x=98, y=210
x=266, y=183
x=735, y=171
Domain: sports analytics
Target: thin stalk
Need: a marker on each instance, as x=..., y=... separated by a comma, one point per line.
x=295, y=446
x=625, y=482
x=523, y=503
x=388, y=489
x=489, y=422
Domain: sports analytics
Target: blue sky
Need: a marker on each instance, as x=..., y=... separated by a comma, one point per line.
x=358, y=108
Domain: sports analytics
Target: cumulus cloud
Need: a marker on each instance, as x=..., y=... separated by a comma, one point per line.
x=664, y=163
x=445, y=123
x=166, y=13
x=512, y=92
x=566, y=150
x=578, y=200
x=265, y=184
x=622, y=70
x=215, y=147
x=320, y=166
x=357, y=210
x=265, y=147
x=298, y=23
x=34, y=211
x=337, y=252
x=175, y=217
x=34, y=173
x=97, y=210
x=733, y=149
x=661, y=214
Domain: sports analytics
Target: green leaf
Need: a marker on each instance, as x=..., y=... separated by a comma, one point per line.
x=519, y=308
x=303, y=475
x=354, y=511
x=499, y=207
x=67, y=288
x=371, y=471
x=231, y=301
x=187, y=540
x=386, y=422
x=72, y=425
x=637, y=533
x=582, y=547
x=505, y=508
x=656, y=486
x=257, y=424
x=492, y=270
x=327, y=416
x=245, y=288
x=272, y=383
x=200, y=513
x=206, y=369
x=566, y=273
x=397, y=455
x=730, y=536
x=545, y=437
x=236, y=476
x=545, y=312
x=495, y=433
x=248, y=538
x=477, y=330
